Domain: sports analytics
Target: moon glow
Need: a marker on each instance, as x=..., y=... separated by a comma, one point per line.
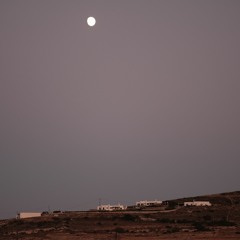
x=91, y=21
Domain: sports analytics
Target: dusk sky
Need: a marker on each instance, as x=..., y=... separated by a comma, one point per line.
x=144, y=105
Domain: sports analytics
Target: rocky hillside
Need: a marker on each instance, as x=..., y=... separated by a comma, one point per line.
x=220, y=221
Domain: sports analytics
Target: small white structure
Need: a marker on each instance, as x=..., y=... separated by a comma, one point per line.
x=28, y=215
x=148, y=203
x=111, y=207
x=198, y=203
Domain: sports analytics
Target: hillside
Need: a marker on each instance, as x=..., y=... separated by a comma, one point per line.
x=220, y=221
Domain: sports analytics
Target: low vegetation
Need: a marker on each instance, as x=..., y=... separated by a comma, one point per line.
x=174, y=222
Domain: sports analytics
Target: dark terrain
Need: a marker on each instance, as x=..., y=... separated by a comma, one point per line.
x=170, y=221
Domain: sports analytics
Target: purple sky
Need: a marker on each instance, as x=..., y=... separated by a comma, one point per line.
x=144, y=105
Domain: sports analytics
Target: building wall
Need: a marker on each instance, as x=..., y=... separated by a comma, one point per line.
x=197, y=203
x=110, y=207
x=148, y=203
x=28, y=215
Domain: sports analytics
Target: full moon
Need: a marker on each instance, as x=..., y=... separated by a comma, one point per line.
x=91, y=21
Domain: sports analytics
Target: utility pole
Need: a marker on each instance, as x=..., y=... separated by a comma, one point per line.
x=99, y=202
x=49, y=209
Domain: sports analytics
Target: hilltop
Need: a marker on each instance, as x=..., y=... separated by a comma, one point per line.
x=170, y=221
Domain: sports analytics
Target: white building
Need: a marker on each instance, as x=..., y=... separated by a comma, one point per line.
x=148, y=203
x=198, y=203
x=111, y=207
x=28, y=215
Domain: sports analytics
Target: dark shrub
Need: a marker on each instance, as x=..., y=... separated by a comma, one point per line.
x=200, y=227
x=165, y=220
x=175, y=229
x=71, y=231
x=207, y=218
x=223, y=223
x=56, y=219
x=183, y=221
x=172, y=229
x=129, y=217
x=42, y=224
x=119, y=230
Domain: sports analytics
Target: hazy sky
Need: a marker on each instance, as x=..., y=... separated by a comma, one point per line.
x=144, y=105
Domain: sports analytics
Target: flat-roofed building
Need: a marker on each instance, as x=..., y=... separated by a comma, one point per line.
x=28, y=215
x=198, y=203
x=109, y=207
x=148, y=203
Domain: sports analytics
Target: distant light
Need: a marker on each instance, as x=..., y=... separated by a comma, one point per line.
x=91, y=21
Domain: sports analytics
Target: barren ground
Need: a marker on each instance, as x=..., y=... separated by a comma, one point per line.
x=221, y=221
